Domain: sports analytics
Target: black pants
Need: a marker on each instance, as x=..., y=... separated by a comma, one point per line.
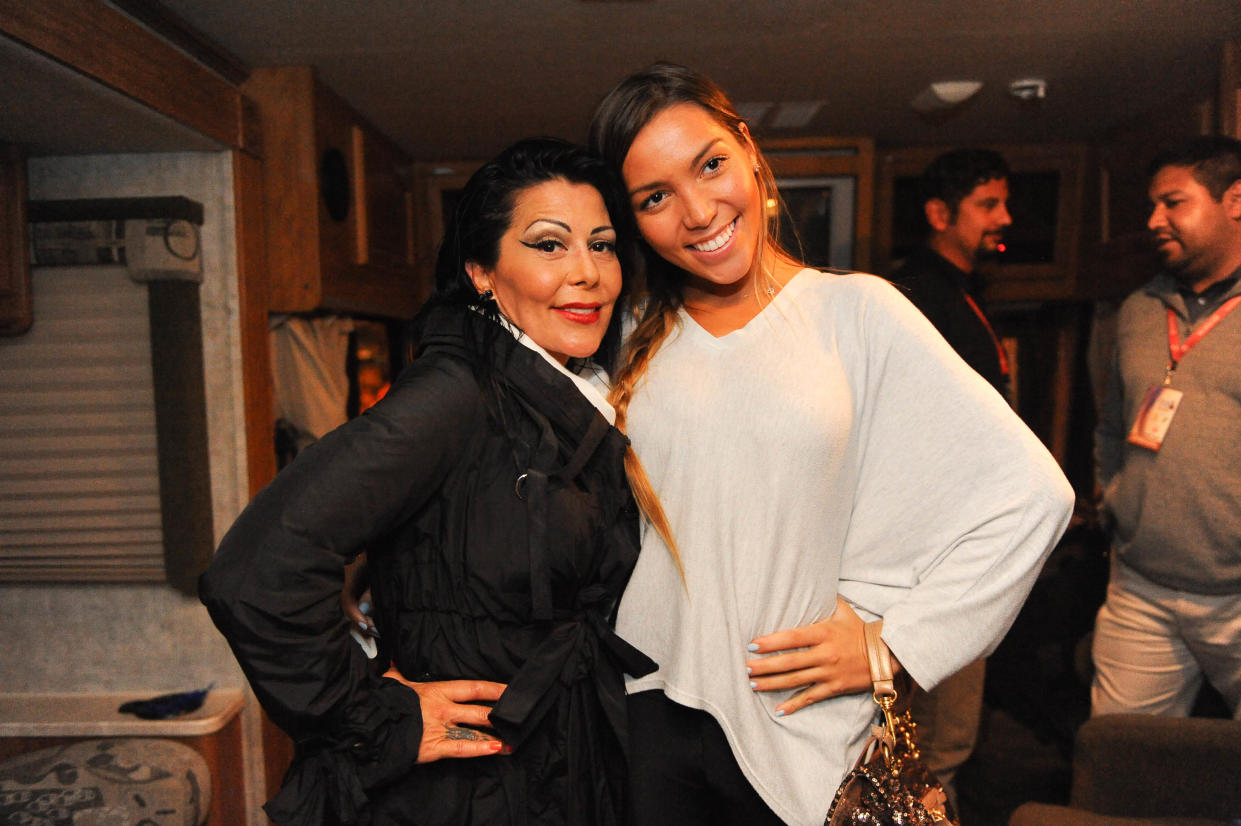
x=682, y=771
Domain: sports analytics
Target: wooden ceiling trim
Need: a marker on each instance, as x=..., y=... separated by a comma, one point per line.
x=110, y=47
x=162, y=21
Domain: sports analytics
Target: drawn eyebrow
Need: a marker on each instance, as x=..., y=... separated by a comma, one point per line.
x=696, y=160
x=553, y=221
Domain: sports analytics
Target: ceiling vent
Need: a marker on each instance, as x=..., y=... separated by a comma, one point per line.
x=795, y=114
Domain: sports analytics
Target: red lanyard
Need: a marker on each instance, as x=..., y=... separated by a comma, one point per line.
x=1177, y=349
x=999, y=348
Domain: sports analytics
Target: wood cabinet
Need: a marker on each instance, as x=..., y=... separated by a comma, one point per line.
x=338, y=203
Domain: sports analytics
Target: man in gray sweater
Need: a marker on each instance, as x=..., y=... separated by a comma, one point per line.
x=1168, y=451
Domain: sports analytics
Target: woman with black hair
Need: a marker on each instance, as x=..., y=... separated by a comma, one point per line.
x=488, y=491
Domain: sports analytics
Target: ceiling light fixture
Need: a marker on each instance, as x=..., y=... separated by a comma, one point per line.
x=945, y=95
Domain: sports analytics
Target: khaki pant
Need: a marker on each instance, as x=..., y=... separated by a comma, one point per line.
x=948, y=717
x=1153, y=645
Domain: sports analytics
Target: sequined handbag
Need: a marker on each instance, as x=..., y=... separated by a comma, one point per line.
x=890, y=785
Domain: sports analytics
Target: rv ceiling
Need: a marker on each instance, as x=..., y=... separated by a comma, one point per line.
x=52, y=110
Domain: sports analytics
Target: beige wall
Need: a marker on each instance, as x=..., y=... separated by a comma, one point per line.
x=146, y=638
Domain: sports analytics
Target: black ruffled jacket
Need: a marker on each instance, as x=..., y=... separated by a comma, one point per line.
x=500, y=532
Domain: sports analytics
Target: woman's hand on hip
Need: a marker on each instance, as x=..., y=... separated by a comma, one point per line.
x=828, y=657
x=450, y=722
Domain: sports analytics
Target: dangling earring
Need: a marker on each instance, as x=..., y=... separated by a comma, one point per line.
x=486, y=295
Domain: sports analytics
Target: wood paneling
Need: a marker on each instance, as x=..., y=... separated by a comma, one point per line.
x=337, y=202
x=161, y=20
x=1229, y=106
x=16, y=309
x=252, y=312
x=288, y=202
x=105, y=44
x=383, y=197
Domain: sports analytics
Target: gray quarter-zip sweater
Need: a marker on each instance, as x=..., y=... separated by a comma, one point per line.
x=1177, y=510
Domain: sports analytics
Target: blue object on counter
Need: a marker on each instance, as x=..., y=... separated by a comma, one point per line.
x=166, y=705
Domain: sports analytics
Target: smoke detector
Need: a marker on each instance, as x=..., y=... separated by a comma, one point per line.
x=1030, y=88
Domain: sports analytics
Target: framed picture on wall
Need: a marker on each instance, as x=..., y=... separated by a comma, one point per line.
x=439, y=187
x=827, y=186
x=818, y=220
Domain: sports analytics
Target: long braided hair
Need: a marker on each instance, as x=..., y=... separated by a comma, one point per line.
x=618, y=119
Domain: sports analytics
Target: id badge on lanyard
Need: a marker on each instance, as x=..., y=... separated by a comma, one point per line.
x=1160, y=403
x=1155, y=417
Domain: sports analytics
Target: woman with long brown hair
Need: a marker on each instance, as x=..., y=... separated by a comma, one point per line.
x=810, y=455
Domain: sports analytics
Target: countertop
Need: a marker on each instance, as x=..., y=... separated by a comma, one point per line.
x=96, y=715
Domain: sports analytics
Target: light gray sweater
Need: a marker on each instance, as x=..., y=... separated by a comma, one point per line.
x=835, y=443
x=1177, y=511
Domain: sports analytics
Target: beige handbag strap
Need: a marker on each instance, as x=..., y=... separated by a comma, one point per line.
x=879, y=659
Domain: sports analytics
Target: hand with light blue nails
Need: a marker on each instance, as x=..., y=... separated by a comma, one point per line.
x=355, y=598
x=828, y=657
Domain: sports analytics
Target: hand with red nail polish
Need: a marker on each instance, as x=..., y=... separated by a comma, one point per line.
x=452, y=726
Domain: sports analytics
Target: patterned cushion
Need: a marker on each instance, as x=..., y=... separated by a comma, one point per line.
x=113, y=782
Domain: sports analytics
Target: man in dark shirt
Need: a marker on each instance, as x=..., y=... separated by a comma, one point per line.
x=965, y=200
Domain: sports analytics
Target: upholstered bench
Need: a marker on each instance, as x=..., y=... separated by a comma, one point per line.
x=1149, y=771
x=78, y=754
x=126, y=780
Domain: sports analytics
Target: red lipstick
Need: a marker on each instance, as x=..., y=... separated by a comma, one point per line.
x=579, y=312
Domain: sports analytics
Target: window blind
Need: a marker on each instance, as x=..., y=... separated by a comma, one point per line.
x=79, y=472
